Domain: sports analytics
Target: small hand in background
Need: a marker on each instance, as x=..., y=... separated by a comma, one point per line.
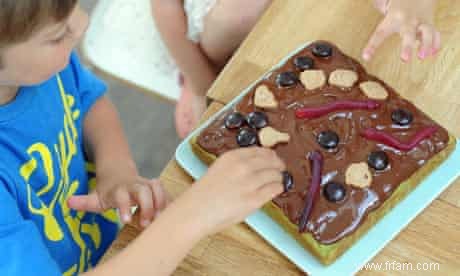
x=413, y=21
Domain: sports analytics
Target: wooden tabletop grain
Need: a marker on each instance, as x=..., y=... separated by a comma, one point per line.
x=433, y=85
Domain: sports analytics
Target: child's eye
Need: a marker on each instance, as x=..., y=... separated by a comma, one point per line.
x=58, y=40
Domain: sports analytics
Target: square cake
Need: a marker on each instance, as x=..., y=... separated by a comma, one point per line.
x=353, y=147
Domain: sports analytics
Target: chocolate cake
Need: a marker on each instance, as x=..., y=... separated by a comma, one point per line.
x=353, y=147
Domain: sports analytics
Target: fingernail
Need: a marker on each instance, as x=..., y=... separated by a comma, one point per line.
x=366, y=56
x=145, y=223
x=405, y=58
x=126, y=218
x=422, y=54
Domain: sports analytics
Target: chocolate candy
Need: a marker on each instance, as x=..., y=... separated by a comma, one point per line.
x=304, y=63
x=257, y=120
x=402, y=117
x=378, y=160
x=246, y=137
x=287, y=79
x=328, y=139
x=334, y=192
x=322, y=50
x=234, y=120
x=288, y=181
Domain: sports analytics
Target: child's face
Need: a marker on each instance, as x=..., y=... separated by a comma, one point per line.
x=45, y=53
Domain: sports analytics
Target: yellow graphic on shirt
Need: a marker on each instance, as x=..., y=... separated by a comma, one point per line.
x=65, y=150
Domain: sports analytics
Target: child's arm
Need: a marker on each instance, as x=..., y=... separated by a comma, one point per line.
x=237, y=184
x=171, y=21
x=413, y=20
x=159, y=249
x=118, y=184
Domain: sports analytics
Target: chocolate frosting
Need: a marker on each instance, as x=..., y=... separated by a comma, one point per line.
x=329, y=221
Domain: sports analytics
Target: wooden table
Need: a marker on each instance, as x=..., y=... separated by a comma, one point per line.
x=433, y=85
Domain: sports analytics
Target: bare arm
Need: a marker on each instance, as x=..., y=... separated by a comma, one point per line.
x=221, y=198
x=104, y=138
x=159, y=249
x=194, y=64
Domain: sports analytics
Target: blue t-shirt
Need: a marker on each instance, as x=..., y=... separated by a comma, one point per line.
x=42, y=164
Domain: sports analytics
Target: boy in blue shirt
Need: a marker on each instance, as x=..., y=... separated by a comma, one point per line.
x=57, y=215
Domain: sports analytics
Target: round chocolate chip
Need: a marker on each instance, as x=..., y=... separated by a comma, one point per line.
x=246, y=137
x=334, y=192
x=287, y=79
x=328, y=139
x=322, y=50
x=288, y=181
x=378, y=160
x=402, y=117
x=257, y=120
x=234, y=120
x=304, y=63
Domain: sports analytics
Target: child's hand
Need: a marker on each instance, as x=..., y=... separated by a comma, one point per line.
x=413, y=21
x=236, y=185
x=123, y=190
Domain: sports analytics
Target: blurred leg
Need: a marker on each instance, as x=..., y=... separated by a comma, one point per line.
x=227, y=25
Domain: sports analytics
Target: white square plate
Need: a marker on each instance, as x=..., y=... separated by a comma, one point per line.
x=363, y=250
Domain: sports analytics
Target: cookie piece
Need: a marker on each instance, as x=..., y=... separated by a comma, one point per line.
x=343, y=78
x=264, y=98
x=269, y=137
x=358, y=175
x=313, y=79
x=374, y=90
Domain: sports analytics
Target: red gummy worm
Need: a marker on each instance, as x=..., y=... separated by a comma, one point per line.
x=389, y=140
x=315, y=112
x=316, y=161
